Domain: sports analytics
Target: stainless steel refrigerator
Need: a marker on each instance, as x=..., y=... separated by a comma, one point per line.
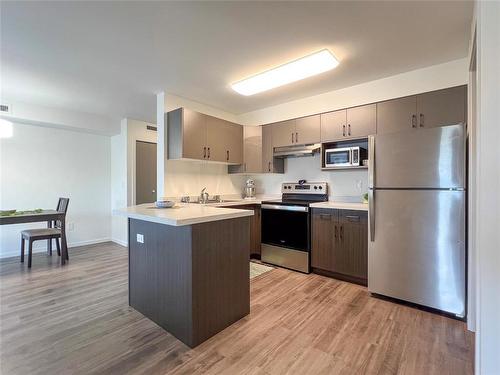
x=417, y=217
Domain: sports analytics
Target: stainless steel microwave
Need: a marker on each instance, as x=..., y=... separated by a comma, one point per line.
x=344, y=157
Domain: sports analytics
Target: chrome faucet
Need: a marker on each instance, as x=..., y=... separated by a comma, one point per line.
x=204, y=196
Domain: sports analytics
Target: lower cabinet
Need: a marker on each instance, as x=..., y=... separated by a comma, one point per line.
x=340, y=244
x=255, y=230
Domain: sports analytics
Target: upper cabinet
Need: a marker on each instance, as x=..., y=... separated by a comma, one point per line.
x=224, y=141
x=307, y=130
x=270, y=164
x=361, y=121
x=258, y=152
x=283, y=133
x=304, y=130
x=397, y=115
x=349, y=123
x=431, y=109
x=333, y=125
x=442, y=107
x=193, y=135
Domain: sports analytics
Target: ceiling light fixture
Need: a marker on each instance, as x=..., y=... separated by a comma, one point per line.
x=296, y=70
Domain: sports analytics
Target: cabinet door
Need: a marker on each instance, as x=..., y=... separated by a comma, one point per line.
x=361, y=121
x=351, y=259
x=217, y=139
x=324, y=238
x=442, y=107
x=333, y=125
x=234, y=146
x=283, y=133
x=397, y=115
x=267, y=149
x=256, y=231
x=194, y=135
x=252, y=149
x=307, y=130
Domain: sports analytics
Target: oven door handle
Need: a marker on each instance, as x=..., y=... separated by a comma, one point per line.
x=284, y=208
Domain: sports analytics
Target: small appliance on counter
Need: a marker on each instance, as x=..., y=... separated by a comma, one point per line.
x=286, y=224
x=250, y=189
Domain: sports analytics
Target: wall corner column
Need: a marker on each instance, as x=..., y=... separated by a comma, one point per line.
x=161, y=144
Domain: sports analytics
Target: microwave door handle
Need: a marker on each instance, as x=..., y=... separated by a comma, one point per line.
x=350, y=156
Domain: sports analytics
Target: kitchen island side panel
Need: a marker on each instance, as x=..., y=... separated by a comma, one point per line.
x=160, y=276
x=221, y=275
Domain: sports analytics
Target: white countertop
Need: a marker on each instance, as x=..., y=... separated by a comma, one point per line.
x=182, y=213
x=341, y=205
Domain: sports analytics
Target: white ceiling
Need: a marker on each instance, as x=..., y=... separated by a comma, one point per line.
x=111, y=58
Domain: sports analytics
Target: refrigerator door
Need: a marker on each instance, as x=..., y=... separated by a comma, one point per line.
x=417, y=253
x=427, y=158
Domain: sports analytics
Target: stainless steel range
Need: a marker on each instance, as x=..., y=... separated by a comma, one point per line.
x=286, y=224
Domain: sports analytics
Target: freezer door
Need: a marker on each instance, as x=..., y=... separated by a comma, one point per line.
x=427, y=158
x=418, y=250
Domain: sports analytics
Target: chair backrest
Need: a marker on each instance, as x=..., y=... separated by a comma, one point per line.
x=62, y=206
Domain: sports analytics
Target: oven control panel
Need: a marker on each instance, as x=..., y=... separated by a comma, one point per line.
x=305, y=188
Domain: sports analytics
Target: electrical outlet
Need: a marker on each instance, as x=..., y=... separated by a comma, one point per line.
x=140, y=238
x=71, y=227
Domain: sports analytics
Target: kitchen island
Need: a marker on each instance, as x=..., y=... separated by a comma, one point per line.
x=189, y=267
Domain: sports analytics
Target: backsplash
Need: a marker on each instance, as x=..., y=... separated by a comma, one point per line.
x=343, y=185
x=189, y=177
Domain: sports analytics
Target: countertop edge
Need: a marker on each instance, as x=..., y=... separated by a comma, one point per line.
x=341, y=206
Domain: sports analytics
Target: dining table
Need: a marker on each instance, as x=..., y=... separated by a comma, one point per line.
x=49, y=216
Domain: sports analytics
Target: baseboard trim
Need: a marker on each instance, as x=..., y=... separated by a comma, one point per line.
x=120, y=242
x=43, y=248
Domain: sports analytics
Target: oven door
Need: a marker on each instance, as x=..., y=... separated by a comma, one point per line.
x=286, y=226
x=338, y=157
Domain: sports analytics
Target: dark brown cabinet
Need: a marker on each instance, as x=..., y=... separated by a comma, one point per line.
x=255, y=229
x=340, y=243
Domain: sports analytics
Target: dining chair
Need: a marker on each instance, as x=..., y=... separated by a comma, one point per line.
x=53, y=232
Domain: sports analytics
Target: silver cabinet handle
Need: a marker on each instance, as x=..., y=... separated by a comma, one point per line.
x=269, y=166
x=208, y=152
x=343, y=130
x=341, y=235
x=296, y=137
x=227, y=155
x=349, y=129
x=413, y=121
x=204, y=152
x=292, y=137
x=421, y=120
x=336, y=233
x=352, y=217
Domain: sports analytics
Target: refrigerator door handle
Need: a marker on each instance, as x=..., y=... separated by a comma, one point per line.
x=371, y=161
x=371, y=211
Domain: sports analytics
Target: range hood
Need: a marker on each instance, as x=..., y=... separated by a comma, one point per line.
x=296, y=150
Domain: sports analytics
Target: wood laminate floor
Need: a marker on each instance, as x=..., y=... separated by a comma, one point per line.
x=76, y=320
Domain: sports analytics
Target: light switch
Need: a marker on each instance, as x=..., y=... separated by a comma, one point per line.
x=140, y=238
